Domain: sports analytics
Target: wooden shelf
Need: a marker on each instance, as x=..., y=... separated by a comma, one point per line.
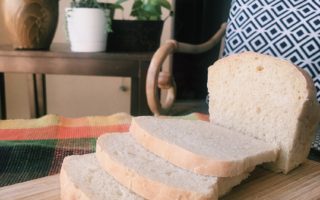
x=60, y=60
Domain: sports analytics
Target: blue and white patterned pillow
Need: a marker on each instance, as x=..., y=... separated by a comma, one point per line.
x=289, y=29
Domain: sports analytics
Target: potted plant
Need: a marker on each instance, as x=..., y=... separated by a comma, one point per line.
x=87, y=24
x=143, y=33
x=112, y=7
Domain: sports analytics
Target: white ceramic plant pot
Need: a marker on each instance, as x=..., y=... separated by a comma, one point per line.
x=87, y=29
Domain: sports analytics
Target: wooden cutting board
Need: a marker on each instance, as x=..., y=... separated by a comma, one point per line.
x=301, y=183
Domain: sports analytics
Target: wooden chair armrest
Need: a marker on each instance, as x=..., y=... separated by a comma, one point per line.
x=200, y=48
x=159, y=76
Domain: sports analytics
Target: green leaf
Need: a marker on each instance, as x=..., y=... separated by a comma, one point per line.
x=154, y=18
x=154, y=2
x=118, y=2
x=151, y=9
x=116, y=6
x=137, y=5
x=134, y=13
x=148, y=9
x=85, y=4
x=165, y=4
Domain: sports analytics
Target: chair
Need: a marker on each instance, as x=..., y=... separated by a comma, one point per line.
x=288, y=29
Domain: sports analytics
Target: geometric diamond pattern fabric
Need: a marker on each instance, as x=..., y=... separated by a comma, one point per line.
x=288, y=29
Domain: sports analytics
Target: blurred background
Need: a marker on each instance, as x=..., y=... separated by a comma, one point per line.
x=74, y=96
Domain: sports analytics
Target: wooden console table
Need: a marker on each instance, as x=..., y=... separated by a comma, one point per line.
x=60, y=60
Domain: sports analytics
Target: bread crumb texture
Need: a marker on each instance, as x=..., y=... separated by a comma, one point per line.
x=82, y=178
x=200, y=146
x=266, y=98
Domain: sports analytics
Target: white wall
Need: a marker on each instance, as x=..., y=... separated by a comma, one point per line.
x=72, y=96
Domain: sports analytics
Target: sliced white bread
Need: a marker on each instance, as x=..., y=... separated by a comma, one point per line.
x=200, y=146
x=153, y=177
x=82, y=178
x=266, y=98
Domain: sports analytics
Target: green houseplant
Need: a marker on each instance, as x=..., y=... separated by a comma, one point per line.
x=88, y=24
x=142, y=34
x=95, y=4
x=149, y=9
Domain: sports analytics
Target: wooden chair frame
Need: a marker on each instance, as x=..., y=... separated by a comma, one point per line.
x=160, y=77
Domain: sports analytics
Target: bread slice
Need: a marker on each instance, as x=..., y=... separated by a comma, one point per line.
x=200, y=146
x=82, y=178
x=266, y=98
x=153, y=177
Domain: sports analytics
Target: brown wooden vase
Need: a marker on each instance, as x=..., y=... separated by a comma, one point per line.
x=31, y=23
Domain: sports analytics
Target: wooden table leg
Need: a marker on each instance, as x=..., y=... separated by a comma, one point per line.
x=37, y=95
x=139, y=104
x=3, y=113
x=40, y=94
x=143, y=105
x=134, y=99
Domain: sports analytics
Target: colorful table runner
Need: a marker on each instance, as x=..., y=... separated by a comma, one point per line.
x=35, y=148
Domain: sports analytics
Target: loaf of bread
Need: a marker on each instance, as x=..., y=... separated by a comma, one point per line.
x=262, y=109
x=200, y=146
x=81, y=178
x=266, y=98
x=153, y=177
